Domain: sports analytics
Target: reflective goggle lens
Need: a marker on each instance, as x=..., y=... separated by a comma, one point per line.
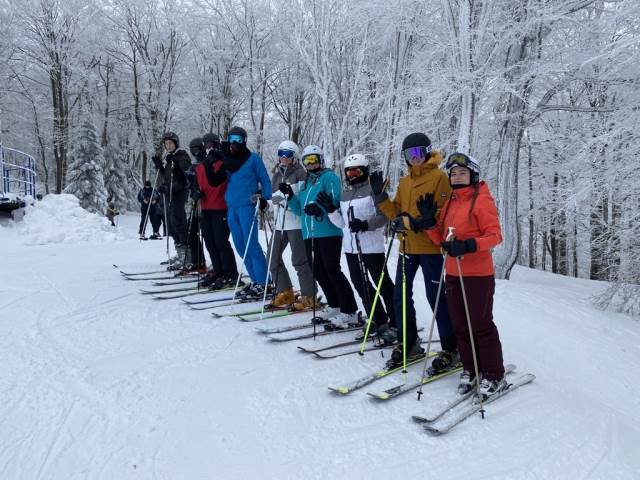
x=354, y=172
x=457, y=159
x=285, y=154
x=416, y=152
x=311, y=159
x=235, y=139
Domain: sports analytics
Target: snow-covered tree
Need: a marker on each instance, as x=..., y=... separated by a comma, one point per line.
x=85, y=175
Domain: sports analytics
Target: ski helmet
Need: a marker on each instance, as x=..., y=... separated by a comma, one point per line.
x=356, y=168
x=311, y=155
x=458, y=159
x=289, y=149
x=237, y=135
x=416, y=145
x=210, y=138
x=196, y=147
x=173, y=137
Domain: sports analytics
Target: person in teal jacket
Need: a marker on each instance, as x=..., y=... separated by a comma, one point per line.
x=323, y=240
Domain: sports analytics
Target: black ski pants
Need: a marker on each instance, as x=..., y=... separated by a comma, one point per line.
x=215, y=231
x=373, y=265
x=327, y=272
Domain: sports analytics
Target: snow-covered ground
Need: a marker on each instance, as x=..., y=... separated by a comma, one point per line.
x=100, y=382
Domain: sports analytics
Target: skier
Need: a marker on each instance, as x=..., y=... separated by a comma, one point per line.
x=112, y=212
x=289, y=170
x=215, y=229
x=363, y=241
x=248, y=190
x=195, y=260
x=472, y=217
x=174, y=188
x=148, y=198
x=322, y=238
x=424, y=177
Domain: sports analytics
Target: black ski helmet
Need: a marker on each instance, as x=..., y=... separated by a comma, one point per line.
x=196, y=147
x=415, y=140
x=238, y=131
x=210, y=138
x=171, y=136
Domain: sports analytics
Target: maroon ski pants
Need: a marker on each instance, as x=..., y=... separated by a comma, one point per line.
x=479, y=292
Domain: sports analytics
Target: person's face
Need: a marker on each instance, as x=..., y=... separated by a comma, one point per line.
x=460, y=176
x=169, y=146
x=210, y=145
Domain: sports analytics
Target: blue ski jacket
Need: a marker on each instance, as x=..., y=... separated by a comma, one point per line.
x=250, y=178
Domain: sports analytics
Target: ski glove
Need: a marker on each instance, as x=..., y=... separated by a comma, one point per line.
x=356, y=225
x=256, y=197
x=376, y=181
x=286, y=189
x=325, y=200
x=313, y=210
x=457, y=248
x=398, y=224
x=427, y=208
x=157, y=161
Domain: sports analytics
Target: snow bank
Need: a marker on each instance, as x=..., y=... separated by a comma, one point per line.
x=61, y=219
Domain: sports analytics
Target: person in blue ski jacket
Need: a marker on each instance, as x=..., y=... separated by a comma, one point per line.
x=248, y=190
x=323, y=240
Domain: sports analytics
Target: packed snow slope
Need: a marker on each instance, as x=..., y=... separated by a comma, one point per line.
x=100, y=382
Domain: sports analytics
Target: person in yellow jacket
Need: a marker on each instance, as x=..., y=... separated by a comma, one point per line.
x=424, y=177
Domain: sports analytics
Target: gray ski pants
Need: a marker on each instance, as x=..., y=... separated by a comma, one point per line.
x=279, y=273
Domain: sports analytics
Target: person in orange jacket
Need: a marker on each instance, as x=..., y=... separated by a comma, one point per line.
x=467, y=228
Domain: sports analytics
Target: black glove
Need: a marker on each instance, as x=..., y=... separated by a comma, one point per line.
x=157, y=161
x=162, y=189
x=286, y=190
x=427, y=208
x=376, y=181
x=263, y=203
x=325, y=200
x=313, y=210
x=356, y=225
x=398, y=224
x=195, y=194
x=457, y=248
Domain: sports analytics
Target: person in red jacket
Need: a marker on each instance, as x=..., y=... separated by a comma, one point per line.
x=215, y=229
x=467, y=228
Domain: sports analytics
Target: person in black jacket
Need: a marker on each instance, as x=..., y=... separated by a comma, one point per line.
x=174, y=187
x=148, y=198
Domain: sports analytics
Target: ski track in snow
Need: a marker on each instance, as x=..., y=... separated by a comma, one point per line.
x=100, y=382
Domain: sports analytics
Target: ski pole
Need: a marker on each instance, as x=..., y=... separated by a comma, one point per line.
x=364, y=277
x=266, y=280
x=187, y=246
x=404, y=304
x=473, y=346
x=433, y=320
x=313, y=273
x=244, y=255
x=275, y=281
x=166, y=226
x=376, y=297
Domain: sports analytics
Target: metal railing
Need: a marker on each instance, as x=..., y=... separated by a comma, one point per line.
x=18, y=171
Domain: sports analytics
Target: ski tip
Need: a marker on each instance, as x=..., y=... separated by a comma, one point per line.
x=340, y=390
x=419, y=419
x=379, y=396
x=432, y=430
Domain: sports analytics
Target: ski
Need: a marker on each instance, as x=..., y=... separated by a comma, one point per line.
x=461, y=416
x=346, y=344
x=353, y=351
x=133, y=274
x=372, y=377
x=288, y=328
x=319, y=333
x=146, y=291
x=455, y=402
x=398, y=390
x=178, y=281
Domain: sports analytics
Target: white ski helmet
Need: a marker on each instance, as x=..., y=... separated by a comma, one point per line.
x=355, y=160
x=290, y=146
x=458, y=159
x=313, y=150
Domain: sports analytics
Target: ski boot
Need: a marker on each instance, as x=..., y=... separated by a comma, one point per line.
x=388, y=335
x=283, y=299
x=414, y=352
x=491, y=387
x=466, y=383
x=342, y=321
x=444, y=361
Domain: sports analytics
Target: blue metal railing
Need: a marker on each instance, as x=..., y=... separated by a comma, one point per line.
x=18, y=171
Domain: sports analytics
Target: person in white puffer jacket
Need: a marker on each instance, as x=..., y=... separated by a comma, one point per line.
x=289, y=170
x=361, y=221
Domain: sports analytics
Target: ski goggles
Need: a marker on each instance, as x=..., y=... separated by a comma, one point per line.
x=412, y=154
x=353, y=172
x=461, y=160
x=235, y=138
x=311, y=159
x=286, y=153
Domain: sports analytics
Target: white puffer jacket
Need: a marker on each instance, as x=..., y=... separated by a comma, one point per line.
x=360, y=198
x=294, y=174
